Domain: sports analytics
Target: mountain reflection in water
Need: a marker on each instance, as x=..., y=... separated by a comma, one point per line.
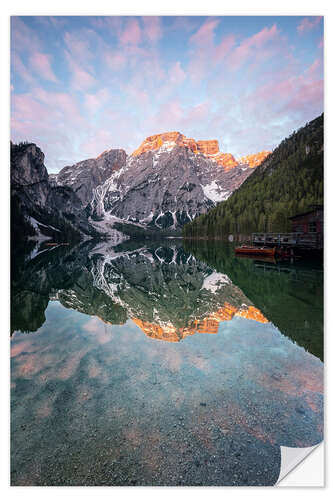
x=94, y=401
x=168, y=293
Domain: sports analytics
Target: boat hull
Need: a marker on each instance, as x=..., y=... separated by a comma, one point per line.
x=267, y=252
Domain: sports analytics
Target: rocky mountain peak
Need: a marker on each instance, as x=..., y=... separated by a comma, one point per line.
x=209, y=148
x=27, y=164
x=226, y=160
x=154, y=142
x=172, y=139
x=254, y=160
x=85, y=176
x=42, y=209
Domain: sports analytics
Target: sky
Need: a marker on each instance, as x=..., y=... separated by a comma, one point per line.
x=83, y=85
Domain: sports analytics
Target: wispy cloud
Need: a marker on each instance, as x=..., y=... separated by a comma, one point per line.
x=21, y=69
x=95, y=101
x=83, y=85
x=131, y=35
x=252, y=46
x=152, y=28
x=81, y=79
x=308, y=24
x=205, y=34
x=41, y=63
x=23, y=38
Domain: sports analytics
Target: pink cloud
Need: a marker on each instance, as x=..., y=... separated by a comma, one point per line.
x=168, y=117
x=131, y=34
x=53, y=22
x=205, y=34
x=139, y=96
x=176, y=74
x=199, y=112
x=56, y=123
x=145, y=66
x=197, y=94
x=23, y=38
x=85, y=45
x=41, y=63
x=316, y=69
x=81, y=79
x=95, y=101
x=307, y=24
x=50, y=119
x=49, y=107
x=251, y=46
x=224, y=47
x=152, y=28
x=263, y=36
x=308, y=96
x=281, y=90
x=124, y=128
x=116, y=60
x=62, y=101
x=183, y=23
x=97, y=142
x=169, y=84
x=299, y=94
x=78, y=46
x=201, y=64
x=174, y=115
x=57, y=21
x=21, y=69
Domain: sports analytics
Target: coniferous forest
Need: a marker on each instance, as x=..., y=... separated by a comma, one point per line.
x=289, y=181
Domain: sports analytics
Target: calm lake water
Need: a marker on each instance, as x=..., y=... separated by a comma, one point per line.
x=162, y=364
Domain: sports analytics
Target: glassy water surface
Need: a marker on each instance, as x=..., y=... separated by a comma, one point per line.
x=165, y=364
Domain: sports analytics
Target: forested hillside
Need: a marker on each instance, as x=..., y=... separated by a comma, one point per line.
x=289, y=181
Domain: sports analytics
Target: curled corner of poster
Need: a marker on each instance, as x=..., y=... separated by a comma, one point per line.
x=296, y=471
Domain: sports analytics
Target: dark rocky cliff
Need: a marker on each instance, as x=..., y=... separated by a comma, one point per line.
x=40, y=210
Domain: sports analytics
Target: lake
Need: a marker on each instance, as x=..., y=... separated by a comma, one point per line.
x=162, y=363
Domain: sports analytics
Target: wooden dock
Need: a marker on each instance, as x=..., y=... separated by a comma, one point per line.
x=311, y=241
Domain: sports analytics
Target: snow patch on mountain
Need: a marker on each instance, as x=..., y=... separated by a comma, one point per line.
x=38, y=226
x=214, y=192
x=214, y=281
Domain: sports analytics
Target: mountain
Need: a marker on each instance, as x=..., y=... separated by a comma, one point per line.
x=39, y=209
x=165, y=183
x=254, y=160
x=168, y=181
x=85, y=176
x=209, y=148
x=287, y=182
x=166, y=292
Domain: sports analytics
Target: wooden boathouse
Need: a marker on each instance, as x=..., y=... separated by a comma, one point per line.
x=307, y=232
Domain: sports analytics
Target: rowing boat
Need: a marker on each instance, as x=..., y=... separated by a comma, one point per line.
x=249, y=250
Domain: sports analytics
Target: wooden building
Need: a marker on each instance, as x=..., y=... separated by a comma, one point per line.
x=307, y=232
x=311, y=221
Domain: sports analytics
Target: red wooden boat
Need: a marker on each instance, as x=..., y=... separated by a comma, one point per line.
x=248, y=250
